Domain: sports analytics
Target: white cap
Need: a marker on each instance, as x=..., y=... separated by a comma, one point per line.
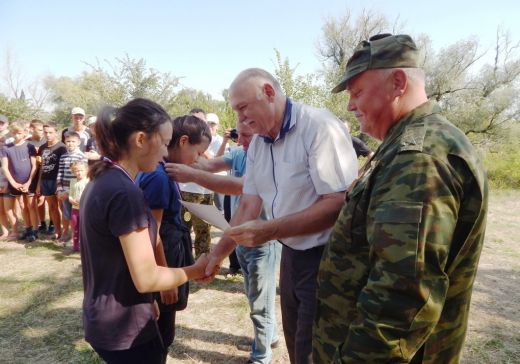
x=77, y=110
x=91, y=120
x=212, y=118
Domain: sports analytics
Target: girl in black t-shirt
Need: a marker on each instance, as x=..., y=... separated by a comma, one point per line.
x=118, y=233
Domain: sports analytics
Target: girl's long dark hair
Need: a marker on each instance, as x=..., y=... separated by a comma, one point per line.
x=115, y=125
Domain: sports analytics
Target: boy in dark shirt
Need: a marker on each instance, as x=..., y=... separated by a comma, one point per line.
x=19, y=167
x=37, y=139
x=50, y=153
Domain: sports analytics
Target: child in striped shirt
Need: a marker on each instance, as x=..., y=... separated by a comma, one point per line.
x=65, y=175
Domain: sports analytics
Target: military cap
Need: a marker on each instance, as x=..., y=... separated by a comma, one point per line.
x=381, y=51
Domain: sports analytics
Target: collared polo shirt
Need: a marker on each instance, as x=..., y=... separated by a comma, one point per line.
x=313, y=157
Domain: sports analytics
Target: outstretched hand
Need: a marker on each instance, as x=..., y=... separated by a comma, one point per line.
x=252, y=233
x=212, y=268
x=179, y=172
x=200, y=266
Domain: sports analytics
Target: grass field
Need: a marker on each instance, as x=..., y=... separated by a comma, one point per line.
x=41, y=293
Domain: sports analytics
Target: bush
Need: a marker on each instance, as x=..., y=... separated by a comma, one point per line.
x=503, y=167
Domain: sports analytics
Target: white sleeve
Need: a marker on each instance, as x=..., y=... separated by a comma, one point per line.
x=332, y=159
x=249, y=187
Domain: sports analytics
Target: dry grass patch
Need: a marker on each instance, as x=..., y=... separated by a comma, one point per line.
x=41, y=293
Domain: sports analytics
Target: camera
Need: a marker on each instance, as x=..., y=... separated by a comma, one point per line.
x=233, y=134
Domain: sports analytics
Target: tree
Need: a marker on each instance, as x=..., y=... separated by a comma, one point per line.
x=303, y=88
x=482, y=102
x=114, y=84
x=20, y=99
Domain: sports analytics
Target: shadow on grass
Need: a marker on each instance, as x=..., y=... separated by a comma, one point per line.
x=204, y=353
x=42, y=326
x=497, y=285
x=61, y=252
x=221, y=283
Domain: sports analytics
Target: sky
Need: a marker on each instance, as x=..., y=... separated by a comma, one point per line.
x=206, y=43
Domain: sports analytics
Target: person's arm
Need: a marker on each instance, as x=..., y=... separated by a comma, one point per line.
x=32, y=174
x=249, y=208
x=39, y=176
x=168, y=296
x=209, y=165
x=319, y=216
x=223, y=145
x=146, y=275
x=92, y=155
x=227, y=185
x=73, y=198
x=61, y=172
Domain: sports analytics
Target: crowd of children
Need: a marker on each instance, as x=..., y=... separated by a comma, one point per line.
x=43, y=175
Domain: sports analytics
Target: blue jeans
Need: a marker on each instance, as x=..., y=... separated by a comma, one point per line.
x=259, y=268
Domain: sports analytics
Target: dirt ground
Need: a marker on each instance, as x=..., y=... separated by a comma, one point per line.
x=41, y=293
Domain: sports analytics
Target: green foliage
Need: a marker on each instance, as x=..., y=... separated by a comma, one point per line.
x=112, y=84
x=503, y=167
x=303, y=88
x=17, y=109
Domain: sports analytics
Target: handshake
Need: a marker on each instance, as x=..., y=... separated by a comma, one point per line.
x=205, y=268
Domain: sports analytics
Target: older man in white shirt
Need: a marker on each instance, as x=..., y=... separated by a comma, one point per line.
x=298, y=167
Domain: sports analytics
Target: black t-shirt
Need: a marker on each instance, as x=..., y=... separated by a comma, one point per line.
x=115, y=315
x=51, y=159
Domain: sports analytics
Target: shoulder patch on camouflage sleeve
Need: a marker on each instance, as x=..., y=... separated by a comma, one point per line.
x=413, y=138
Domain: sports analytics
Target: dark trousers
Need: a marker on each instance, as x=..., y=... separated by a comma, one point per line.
x=74, y=219
x=233, y=260
x=166, y=325
x=151, y=352
x=298, y=274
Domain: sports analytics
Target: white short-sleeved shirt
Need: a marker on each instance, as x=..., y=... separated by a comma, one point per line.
x=313, y=157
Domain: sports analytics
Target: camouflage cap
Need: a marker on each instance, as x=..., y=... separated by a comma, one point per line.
x=381, y=51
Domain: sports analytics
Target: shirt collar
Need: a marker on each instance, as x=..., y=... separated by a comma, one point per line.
x=425, y=109
x=286, y=124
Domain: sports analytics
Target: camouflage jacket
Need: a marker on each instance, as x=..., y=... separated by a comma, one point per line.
x=396, y=276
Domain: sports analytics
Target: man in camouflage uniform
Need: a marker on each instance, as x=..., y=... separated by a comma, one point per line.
x=396, y=276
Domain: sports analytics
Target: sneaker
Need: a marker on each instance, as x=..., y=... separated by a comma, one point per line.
x=65, y=238
x=42, y=228
x=31, y=236
x=248, y=345
x=24, y=235
x=232, y=271
x=50, y=230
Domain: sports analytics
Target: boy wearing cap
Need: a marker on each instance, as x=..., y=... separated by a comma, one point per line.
x=78, y=120
x=396, y=275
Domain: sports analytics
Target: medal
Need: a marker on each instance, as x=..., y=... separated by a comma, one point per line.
x=187, y=216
